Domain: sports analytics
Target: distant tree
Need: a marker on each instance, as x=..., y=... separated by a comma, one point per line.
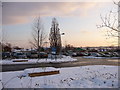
x=17, y=47
x=38, y=34
x=68, y=47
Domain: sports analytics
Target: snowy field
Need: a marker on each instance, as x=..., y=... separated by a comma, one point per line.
x=64, y=59
x=95, y=76
x=100, y=57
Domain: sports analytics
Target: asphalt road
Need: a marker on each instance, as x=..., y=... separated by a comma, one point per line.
x=80, y=62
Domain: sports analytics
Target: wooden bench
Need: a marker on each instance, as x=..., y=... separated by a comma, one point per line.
x=43, y=73
x=20, y=61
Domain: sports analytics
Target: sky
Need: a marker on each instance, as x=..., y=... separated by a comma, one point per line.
x=77, y=20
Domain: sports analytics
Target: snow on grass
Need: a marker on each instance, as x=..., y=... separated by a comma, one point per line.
x=0, y=81
x=38, y=70
x=64, y=59
x=96, y=76
x=100, y=57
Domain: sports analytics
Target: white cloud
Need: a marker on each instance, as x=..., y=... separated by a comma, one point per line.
x=19, y=12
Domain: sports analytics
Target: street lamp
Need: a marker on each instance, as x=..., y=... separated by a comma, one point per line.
x=62, y=33
x=46, y=44
x=46, y=48
x=61, y=46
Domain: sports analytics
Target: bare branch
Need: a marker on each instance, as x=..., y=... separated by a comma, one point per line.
x=38, y=33
x=110, y=22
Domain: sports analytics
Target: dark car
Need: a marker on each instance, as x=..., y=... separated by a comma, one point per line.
x=65, y=53
x=43, y=55
x=6, y=55
x=36, y=55
x=33, y=55
x=82, y=54
x=19, y=55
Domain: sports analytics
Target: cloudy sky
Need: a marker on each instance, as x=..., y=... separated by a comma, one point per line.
x=77, y=20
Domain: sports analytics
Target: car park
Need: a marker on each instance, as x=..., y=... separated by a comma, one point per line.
x=19, y=55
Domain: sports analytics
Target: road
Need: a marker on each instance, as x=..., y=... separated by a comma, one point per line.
x=80, y=62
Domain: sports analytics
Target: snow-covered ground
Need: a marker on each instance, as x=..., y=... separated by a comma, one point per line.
x=100, y=57
x=64, y=59
x=94, y=76
x=48, y=60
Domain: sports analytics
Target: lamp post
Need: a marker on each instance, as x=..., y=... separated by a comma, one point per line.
x=62, y=33
x=61, y=45
x=46, y=44
x=46, y=47
x=119, y=24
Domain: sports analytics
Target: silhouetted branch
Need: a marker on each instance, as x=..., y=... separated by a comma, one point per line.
x=110, y=22
x=38, y=34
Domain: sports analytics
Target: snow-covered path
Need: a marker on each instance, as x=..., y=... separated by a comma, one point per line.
x=95, y=76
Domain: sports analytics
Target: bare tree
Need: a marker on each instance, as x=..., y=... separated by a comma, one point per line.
x=111, y=22
x=38, y=34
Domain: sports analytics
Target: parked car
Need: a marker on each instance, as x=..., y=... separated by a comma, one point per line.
x=6, y=55
x=105, y=54
x=116, y=54
x=86, y=53
x=36, y=55
x=19, y=55
x=74, y=54
x=82, y=54
x=33, y=55
x=95, y=54
x=66, y=54
x=43, y=55
x=108, y=54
